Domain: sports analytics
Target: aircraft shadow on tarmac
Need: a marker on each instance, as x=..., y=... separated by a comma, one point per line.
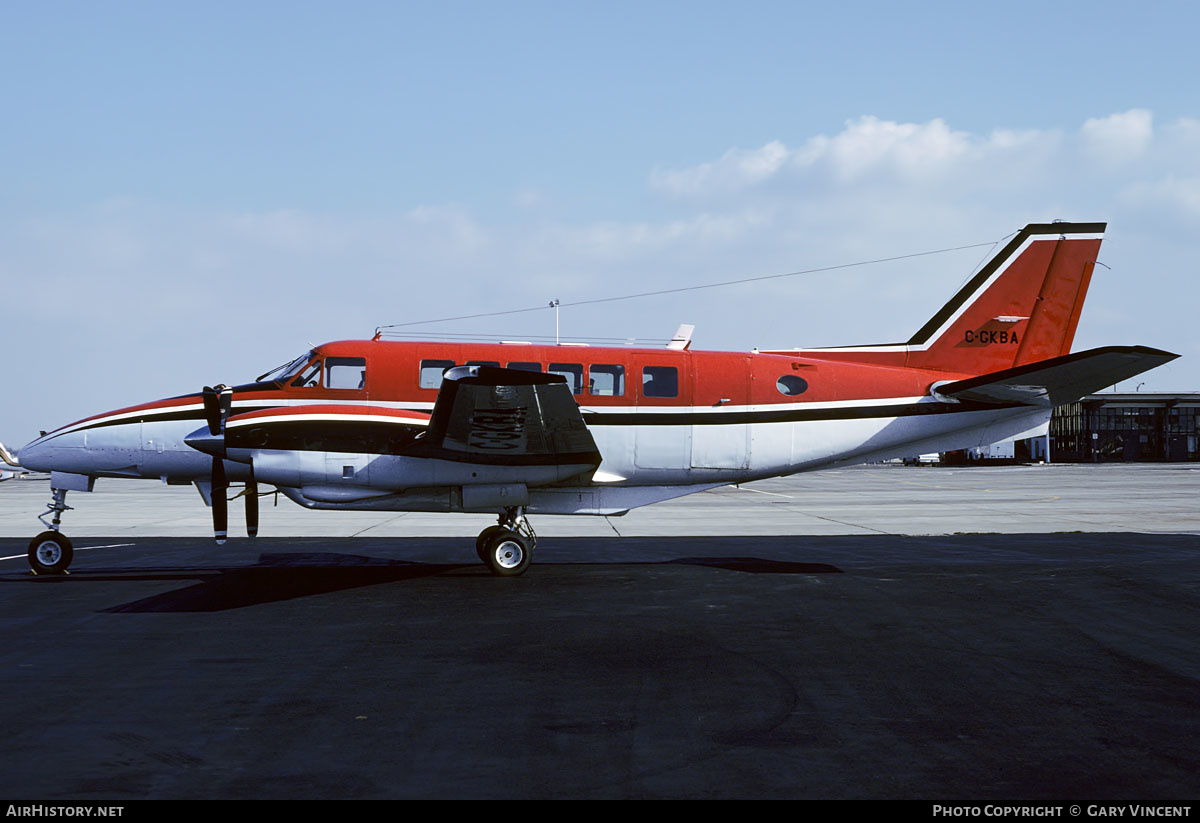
x=290, y=575
x=315, y=566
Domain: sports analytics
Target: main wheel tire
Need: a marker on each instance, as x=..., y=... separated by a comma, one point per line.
x=50, y=553
x=481, y=541
x=507, y=553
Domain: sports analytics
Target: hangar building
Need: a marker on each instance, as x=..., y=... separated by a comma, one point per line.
x=1127, y=426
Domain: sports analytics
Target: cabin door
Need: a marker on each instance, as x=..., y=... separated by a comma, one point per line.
x=662, y=383
x=721, y=439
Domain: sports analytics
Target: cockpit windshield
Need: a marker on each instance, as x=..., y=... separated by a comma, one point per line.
x=280, y=374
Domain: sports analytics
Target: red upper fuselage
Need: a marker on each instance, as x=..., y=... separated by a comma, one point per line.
x=408, y=375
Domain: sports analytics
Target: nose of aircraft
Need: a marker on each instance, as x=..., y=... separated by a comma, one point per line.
x=34, y=456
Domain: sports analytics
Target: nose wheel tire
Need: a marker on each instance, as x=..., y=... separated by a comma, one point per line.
x=506, y=553
x=50, y=553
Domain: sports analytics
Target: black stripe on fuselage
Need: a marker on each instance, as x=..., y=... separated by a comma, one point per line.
x=356, y=436
x=167, y=415
x=375, y=437
x=155, y=416
x=789, y=415
x=315, y=428
x=340, y=431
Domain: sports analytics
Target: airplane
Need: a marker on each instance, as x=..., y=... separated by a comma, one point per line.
x=516, y=429
x=10, y=469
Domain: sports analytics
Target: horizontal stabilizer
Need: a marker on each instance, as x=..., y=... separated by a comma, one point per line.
x=1058, y=380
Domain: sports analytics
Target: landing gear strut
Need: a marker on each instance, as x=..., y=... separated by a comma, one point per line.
x=50, y=552
x=507, y=547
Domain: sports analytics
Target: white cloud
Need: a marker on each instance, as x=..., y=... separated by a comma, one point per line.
x=1118, y=137
x=1171, y=194
x=868, y=144
x=149, y=284
x=737, y=169
x=867, y=150
x=870, y=152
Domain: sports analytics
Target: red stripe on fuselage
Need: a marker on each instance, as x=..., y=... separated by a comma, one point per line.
x=705, y=379
x=318, y=410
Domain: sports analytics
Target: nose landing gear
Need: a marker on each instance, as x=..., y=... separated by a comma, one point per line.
x=507, y=548
x=51, y=552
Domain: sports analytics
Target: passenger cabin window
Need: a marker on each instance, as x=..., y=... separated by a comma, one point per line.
x=309, y=376
x=432, y=371
x=519, y=366
x=660, y=381
x=483, y=363
x=791, y=385
x=345, y=373
x=572, y=371
x=606, y=381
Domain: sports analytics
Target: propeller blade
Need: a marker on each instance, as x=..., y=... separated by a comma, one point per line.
x=220, y=505
x=218, y=400
x=252, y=505
x=224, y=402
x=212, y=410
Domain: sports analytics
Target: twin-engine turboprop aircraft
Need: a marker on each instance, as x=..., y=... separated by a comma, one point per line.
x=518, y=429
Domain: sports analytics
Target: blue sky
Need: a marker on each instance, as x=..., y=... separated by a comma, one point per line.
x=192, y=193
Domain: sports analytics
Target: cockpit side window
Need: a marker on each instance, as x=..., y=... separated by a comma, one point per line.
x=282, y=374
x=345, y=373
x=309, y=376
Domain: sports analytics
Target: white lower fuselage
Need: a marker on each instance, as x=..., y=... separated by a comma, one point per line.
x=675, y=452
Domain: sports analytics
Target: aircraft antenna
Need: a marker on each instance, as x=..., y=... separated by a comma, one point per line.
x=554, y=304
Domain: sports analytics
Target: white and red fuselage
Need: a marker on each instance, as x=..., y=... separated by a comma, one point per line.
x=660, y=418
x=330, y=430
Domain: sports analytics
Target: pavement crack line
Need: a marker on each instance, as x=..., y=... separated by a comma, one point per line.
x=844, y=523
x=361, y=532
x=802, y=510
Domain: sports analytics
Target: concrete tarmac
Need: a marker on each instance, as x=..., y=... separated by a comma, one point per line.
x=971, y=634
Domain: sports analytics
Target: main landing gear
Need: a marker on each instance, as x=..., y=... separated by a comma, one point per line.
x=50, y=552
x=507, y=548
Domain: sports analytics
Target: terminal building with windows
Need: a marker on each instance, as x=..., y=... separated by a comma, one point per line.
x=1135, y=426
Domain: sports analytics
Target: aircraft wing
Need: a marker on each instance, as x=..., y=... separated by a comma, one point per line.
x=1058, y=380
x=490, y=415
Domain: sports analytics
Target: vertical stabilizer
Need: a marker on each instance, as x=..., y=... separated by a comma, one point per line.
x=1023, y=306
